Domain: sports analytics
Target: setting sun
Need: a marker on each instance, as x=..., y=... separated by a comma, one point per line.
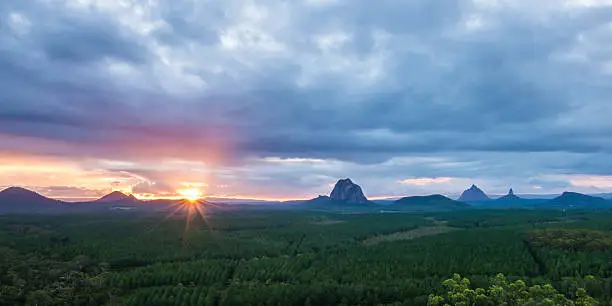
x=191, y=194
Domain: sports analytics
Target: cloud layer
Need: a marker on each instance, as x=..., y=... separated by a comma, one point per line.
x=279, y=99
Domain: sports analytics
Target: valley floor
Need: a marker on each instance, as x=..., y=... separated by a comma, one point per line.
x=295, y=258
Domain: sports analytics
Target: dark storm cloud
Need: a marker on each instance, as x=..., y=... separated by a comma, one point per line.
x=83, y=39
x=48, y=86
x=347, y=80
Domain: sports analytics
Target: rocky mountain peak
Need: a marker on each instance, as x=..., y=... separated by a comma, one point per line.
x=473, y=194
x=510, y=196
x=347, y=191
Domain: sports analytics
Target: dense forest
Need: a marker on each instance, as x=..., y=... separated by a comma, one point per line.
x=475, y=257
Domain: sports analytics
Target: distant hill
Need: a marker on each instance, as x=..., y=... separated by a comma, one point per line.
x=329, y=204
x=510, y=197
x=386, y=201
x=431, y=202
x=569, y=199
x=21, y=200
x=603, y=195
x=538, y=196
x=240, y=201
x=324, y=200
x=473, y=194
x=22, y=195
x=116, y=197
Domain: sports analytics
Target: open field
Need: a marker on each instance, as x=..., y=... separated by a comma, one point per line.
x=409, y=235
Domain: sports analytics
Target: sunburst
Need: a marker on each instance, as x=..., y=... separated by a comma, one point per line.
x=191, y=194
x=193, y=205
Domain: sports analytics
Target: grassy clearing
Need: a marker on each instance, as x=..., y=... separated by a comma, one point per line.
x=409, y=235
x=328, y=222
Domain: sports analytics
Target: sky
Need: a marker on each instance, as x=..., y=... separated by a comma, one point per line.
x=279, y=99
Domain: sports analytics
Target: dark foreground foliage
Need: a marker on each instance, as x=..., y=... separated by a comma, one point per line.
x=503, y=292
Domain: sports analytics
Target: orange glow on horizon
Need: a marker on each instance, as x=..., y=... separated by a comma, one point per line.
x=180, y=196
x=191, y=194
x=258, y=198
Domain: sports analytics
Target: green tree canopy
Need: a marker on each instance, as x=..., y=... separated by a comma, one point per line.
x=503, y=292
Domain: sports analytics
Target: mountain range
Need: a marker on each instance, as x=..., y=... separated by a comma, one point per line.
x=21, y=200
x=345, y=196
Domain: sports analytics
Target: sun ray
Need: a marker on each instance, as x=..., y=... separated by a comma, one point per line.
x=177, y=209
x=201, y=210
x=189, y=217
x=193, y=206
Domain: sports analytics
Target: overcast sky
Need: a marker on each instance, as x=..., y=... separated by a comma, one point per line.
x=279, y=99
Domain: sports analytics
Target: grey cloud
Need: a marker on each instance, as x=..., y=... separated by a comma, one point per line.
x=495, y=172
x=184, y=23
x=441, y=89
x=153, y=188
x=82, y=40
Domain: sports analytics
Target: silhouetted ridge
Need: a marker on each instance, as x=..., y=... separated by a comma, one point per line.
x=433, y=201
x=322, y=199
x=579, y=199
x=473, y=194
x=348, y=192
x=21, y=198
x=21, y=193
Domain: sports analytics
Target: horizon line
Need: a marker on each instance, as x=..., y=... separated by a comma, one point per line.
x=140, y=197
